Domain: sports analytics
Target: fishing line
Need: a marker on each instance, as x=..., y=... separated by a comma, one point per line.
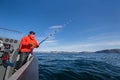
x=58, y=29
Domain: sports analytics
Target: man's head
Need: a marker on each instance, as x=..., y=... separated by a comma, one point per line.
x=32, y=32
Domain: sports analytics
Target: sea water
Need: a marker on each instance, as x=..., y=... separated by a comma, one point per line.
x=79, y=66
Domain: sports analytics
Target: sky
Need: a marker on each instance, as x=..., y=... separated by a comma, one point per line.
x=85, y=25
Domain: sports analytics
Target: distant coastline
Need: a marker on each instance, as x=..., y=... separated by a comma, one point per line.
x=104, y=51
x=100, y=51
x=109, y=51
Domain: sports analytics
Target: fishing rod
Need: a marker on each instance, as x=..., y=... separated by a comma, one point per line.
x=55, y=31
x=43, y=40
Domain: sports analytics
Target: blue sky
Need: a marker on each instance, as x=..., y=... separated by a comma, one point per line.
x=90, y=24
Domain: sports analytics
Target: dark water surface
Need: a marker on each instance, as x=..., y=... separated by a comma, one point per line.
x=94, y=66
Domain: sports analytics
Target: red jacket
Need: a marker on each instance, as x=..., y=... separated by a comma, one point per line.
x=25, y=41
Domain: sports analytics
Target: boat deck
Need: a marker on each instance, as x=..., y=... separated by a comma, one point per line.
x=29, y=71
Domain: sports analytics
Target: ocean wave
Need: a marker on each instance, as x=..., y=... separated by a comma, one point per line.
x=78, y=70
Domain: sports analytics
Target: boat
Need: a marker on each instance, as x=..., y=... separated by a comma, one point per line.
x=9, y=55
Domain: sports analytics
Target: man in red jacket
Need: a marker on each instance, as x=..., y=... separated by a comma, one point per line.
x=27, y=44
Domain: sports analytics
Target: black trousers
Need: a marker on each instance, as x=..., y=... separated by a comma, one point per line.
x=22, y=60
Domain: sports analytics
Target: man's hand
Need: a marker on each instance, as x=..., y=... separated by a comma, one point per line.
x=30, y=45
x=37, y=46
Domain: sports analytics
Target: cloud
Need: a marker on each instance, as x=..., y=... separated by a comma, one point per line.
x=101, y=37
x=98, y=41
x=50, y=41
x=82, y=46
x=56, y=27
x=92, y=43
